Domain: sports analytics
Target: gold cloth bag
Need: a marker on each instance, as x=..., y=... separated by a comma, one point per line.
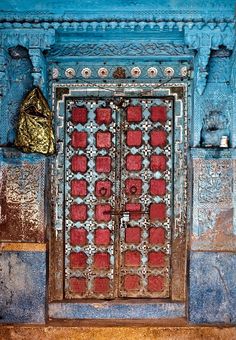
x=35, y=133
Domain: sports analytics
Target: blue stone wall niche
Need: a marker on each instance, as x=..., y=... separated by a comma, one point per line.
x=19, y=82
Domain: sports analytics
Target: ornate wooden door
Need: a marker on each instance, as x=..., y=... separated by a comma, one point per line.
x=118, y=206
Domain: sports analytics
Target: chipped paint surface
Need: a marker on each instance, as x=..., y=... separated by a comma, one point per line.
x=23, y=284
x=127, y=310
x=212, y=292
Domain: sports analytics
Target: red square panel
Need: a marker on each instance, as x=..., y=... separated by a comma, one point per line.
x=78, y=260
x=132, y=258
x=103, y=164
x=157, y=211
x=156, y=259
x=79, y=163
x=133, y=186
x=102, y=237
x=103, y=115
x=103, y=212
x=155, y=283
x=158, y=138
x=135, y=210
x=158, y=187
x=78, y=212
x=78, y=188
x=159, y=114
x=131, y=282
x=79, y=139
x=103, y=189
x=158, y=163
x=157, y=235
x=103, y=139
x=134, y=162
x=102, y=260
x=133, y=235
x=101, y=285
x=134, y=114
x=79, y=115
x=134, y=138
x=78, y=237
x=78, y=285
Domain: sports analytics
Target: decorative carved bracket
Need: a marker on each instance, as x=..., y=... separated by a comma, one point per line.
x=39, y=67
x=204, y=39
x=36, y=41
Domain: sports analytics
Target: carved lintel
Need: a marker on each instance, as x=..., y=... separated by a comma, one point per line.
x=118, y=49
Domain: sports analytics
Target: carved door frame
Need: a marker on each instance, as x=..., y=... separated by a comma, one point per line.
x=179, y=93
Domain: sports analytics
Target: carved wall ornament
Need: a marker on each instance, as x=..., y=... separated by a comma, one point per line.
x=70, y=72
x=22, y=189
x=169, y=72
x=103, y=72
x=184, y=71
x=118, y=49
x=86, y=72
x=152, y=72
x=135, y=72
x=215, y=126
x=27, y=37
x=55, y=73
x=130, y=21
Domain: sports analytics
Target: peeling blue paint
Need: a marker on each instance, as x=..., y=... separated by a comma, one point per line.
x=212, y=292
x=116, y=311
x=22, y=287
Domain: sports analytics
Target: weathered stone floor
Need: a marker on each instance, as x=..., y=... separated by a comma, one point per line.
x=115, y=333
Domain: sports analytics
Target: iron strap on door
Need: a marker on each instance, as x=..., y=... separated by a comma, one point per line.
x=118, y=197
